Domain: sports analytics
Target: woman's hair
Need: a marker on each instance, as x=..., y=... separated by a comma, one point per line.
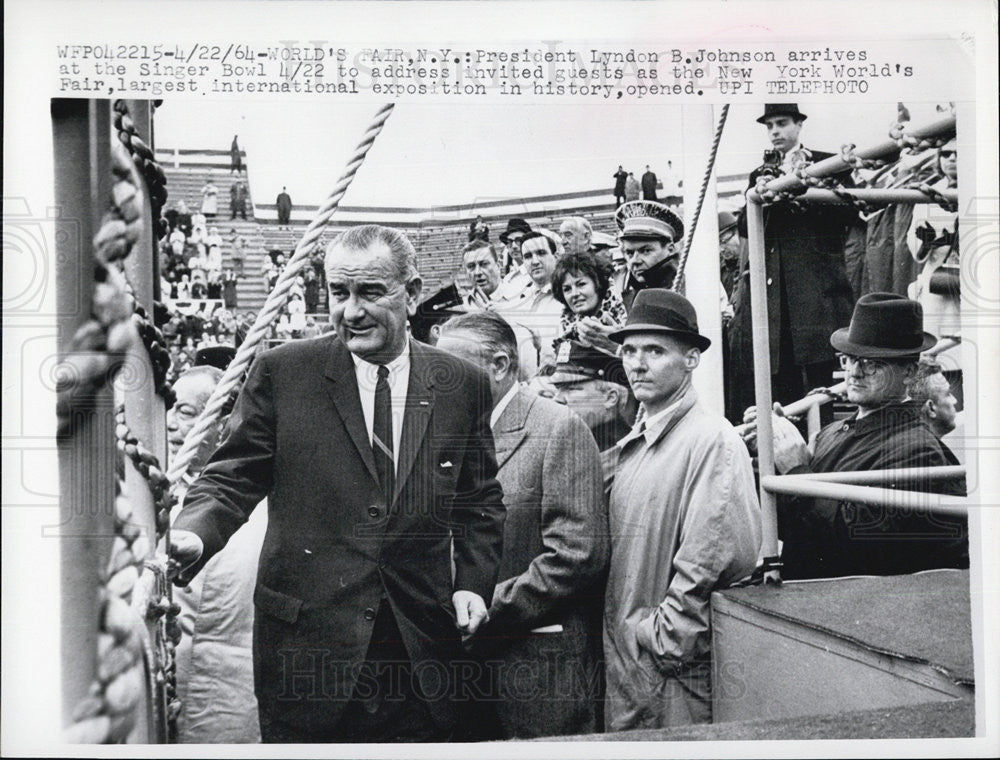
x=586, y=264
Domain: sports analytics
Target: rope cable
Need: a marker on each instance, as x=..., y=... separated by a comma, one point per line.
x=275, y=301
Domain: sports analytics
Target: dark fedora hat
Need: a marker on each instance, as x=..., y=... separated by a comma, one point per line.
x=514, y=226
x=781, y=109
x=884, y=326
x=663, y=311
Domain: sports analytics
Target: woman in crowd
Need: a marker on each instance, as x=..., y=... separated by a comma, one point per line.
x=592, y=309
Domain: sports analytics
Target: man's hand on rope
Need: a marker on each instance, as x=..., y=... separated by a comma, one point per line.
x=790, y=448
x=185, y=549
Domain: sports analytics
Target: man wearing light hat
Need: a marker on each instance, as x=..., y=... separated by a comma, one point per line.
x=825, y=538
x=649, y=234
x=684, y=522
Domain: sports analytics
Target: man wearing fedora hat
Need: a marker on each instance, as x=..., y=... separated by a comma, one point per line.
x=684, y=522
x=879, y=351
x=649, y=234
x=808, y=292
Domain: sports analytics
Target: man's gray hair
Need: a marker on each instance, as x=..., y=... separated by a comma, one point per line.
x=580, y=222
x=403, y=254
x=494, y=332
x=929, y=381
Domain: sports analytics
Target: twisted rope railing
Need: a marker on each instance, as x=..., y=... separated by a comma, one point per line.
x=679, y=277
x=276, y=299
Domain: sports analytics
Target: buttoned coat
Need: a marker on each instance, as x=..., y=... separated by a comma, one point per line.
x=333, y=548
x=555, y=553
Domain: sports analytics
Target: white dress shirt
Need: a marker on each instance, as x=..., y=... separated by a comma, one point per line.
x=502, y=404
x=399, y=384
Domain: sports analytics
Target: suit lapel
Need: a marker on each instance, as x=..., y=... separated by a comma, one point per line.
x=510, y=430
x=343, y=390
x=419, y=405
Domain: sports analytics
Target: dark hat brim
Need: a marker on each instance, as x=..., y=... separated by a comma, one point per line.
x=841, y=341
x=796, y=114
x=695, y=339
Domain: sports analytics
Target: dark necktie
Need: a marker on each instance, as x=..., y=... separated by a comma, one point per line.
x=382, y=435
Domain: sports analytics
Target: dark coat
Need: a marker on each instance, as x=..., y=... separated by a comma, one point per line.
x=804, y=249
x=620, y=177
x=825, y=538
x=648, y=183
x=555, y=552
x=658, y=276
x=333, y=550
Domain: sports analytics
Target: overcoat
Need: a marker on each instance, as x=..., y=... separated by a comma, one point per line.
x=334, y=548
x=806, y=274
x=555, y=553
x=684, y=522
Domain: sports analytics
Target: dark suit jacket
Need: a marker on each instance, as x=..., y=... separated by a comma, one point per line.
x=555, y=552
x=333, y=548
x=805, y=249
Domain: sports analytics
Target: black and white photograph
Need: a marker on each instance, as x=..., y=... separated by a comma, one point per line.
x=448, y=389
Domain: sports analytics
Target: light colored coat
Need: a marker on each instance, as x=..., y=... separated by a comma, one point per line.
x=684, y=522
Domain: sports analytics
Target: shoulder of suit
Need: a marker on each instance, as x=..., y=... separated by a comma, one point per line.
x=304, y=349
x=545, y=411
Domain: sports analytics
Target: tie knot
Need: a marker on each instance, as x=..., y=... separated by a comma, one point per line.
x=383, y=372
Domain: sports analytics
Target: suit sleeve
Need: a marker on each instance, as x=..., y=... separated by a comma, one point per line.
x=479, y=512
x=239, y=473
x=719, y=544
x=574, y=531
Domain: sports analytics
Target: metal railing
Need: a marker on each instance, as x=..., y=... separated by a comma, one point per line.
x=809, y=485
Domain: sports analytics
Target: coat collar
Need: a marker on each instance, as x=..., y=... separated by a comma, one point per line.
x=663, y=425
x=510, y=428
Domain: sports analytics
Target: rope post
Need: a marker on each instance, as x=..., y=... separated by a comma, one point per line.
x=699, y=262
x=233, y=376
x=762, y=379
x=87, y=451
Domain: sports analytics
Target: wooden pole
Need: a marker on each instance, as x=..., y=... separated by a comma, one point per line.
x=762, y=378
x=701, y=272
x=80, y=136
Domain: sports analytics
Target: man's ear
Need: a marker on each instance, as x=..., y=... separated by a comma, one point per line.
x=414, y=288
x=612, y=396
x=930, y=407
x=692, y=358
x=500, y=365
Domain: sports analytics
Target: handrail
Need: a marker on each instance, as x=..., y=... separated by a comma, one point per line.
x=940, y=129
x=801, y=485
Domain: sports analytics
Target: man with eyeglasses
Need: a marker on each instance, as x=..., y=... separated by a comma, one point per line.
x=648, y=235
x=825, y=538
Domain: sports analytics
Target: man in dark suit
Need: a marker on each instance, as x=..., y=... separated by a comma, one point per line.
x=648, y=183
x=543, y=638
x=385, y=516
x=809, y=295
x=620, y=176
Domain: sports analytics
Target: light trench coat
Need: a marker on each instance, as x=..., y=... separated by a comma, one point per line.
x=684, y=522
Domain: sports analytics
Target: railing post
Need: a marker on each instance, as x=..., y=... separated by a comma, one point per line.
x=762, y=376
x=81, y=131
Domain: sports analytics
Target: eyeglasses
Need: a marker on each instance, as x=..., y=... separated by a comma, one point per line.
x=868, y=366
